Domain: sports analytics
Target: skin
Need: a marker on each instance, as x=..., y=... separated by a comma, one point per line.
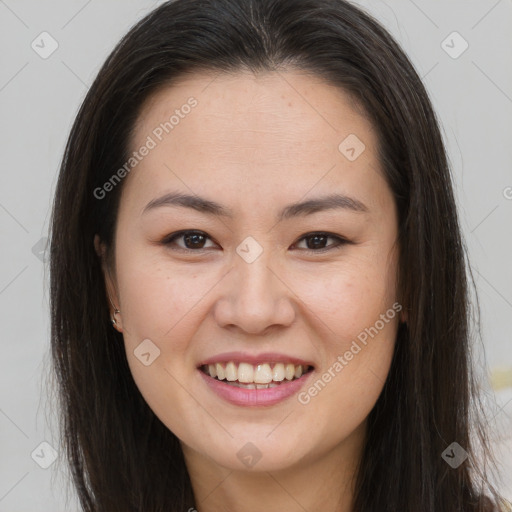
x=255, y=143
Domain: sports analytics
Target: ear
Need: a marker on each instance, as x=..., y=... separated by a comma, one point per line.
x=112, y=296
x=98, y=246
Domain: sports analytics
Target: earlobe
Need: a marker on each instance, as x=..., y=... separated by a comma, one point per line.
x=115, y=317
x=115, y=313
x=404, y=315
x=97, y=246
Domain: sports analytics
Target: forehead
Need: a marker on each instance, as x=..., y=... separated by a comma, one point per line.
x=253, y=106
x=260, y=134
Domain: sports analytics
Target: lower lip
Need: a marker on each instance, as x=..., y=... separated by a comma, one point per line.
x=255, y=397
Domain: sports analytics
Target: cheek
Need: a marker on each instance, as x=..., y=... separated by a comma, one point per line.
x=355, y=317
x=350, y=296
x=356, y=327
x=157, y=299
x=161, y=304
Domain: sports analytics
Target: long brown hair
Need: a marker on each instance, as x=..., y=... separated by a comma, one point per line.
x=121, y=456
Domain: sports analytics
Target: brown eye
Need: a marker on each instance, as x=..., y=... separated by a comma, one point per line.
x=192, y=240
x=195, y=240
x=316, y=242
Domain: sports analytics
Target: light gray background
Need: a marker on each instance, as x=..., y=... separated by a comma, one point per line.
x=40, y=97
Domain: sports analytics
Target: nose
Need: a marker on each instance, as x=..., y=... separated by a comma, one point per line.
x=254, y=297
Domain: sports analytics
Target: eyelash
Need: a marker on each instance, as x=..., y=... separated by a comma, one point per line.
x=170, y=239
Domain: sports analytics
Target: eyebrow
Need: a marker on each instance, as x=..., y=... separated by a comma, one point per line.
x=209, y=207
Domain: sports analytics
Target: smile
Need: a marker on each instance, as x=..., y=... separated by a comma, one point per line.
x=255, y=376
x=245, y=384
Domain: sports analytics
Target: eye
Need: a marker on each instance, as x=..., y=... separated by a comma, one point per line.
x=315, y=242
x=194, y=240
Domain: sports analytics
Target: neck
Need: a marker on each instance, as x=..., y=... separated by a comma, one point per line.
x=323, y=482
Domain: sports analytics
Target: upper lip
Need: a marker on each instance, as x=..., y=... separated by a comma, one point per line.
x=265, y=357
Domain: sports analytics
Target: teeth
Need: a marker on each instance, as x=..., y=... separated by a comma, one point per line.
x=278, y=373
x=258, y=376
x=220, y=372
x=263, y=374
x=253, y=386
x=231, y=372
x=289, y=371
x=245, y=372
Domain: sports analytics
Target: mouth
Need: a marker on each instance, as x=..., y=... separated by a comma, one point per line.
x=255, y=376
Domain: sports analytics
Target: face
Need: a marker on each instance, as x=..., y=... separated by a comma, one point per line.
x=284, y=256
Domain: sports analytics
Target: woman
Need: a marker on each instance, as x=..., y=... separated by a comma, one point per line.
x=214, y=350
